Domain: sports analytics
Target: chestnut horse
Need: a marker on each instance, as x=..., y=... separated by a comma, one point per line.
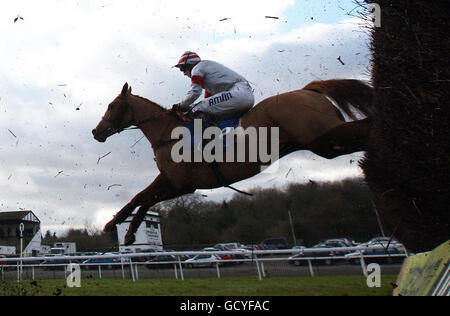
x=320, y=118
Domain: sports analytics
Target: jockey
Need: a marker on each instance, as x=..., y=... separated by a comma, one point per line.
x=227, y=94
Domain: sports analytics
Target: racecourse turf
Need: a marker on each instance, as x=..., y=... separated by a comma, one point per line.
x=232, y=286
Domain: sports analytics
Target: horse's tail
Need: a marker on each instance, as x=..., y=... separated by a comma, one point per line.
x=346, y=93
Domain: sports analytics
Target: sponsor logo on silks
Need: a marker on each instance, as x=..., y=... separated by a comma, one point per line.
x=221, y=98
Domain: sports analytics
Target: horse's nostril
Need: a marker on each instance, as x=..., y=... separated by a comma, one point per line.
x=94, y=131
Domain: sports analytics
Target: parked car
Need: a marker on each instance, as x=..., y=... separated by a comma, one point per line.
x=56, y=264
x=385, y=242
x=202, y=260
x=315, y=257
x=275, y=243
x=377, y=255
x=228, y=246
x=336, y=243
x=107, y=263
x=227, y=257
x=230, y=259
x=163, y=262
x=341, y=242
x=253, y=247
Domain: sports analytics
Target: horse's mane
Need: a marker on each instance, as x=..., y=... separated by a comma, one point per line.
x=164, y=110
x=149, y=101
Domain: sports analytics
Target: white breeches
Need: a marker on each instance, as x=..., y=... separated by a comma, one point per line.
x=238, y=100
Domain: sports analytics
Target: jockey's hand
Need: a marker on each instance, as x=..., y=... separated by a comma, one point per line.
x=176, y=108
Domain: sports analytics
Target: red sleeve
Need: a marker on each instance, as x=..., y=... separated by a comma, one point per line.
x=198, y=80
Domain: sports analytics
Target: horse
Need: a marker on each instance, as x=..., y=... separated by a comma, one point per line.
x=330, y=118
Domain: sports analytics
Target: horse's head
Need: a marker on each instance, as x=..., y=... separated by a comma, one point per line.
x=118, y=116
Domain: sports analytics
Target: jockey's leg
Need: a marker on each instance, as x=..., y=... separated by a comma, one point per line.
x=228, y=104
x=224, y=105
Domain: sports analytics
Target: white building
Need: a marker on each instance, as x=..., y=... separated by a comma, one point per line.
x=148, y=235
x=15, y=224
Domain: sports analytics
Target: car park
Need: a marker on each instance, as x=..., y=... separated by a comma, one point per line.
x=377, y=254
x=336, y=243
x=228, y=246
x=239, y=254
x=3, y=263
x=275, y=243
x=385, y=242
x=108, y=263
x=165, y=261
x=318, y=257
x=203, y=260
x=56, y=264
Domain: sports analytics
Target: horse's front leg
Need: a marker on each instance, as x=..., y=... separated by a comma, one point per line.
x=158, y=194
x=149, y=197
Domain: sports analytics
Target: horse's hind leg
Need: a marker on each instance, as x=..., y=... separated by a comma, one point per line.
x=342, y=140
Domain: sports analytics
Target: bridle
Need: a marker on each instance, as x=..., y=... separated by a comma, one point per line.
x=118, y=127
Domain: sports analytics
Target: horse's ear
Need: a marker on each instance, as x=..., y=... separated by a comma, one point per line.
x=129, y=90
x=125, y=88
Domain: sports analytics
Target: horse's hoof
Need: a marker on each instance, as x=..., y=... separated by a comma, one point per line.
x=129, y=239
x=110, y=227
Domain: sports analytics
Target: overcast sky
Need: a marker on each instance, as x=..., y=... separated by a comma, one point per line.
x=66, y=60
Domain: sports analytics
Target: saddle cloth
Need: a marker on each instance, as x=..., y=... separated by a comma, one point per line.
x=223, y=126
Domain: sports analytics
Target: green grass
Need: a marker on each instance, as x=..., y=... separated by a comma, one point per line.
x=239, y=286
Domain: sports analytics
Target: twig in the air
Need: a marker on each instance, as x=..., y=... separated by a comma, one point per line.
x=12, y=133
x=137, y=142
x=114, y=185
x=99, y=158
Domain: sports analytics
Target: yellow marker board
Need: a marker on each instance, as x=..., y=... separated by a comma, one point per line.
x=425, y=274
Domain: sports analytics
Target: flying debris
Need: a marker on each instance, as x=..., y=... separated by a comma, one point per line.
x=12, y=133
x=271, y=17
x=224, y=19
x=60, y=172
x=340, y=60
x=137, y=141
x=114, y=185
x=100, y=158
x=290, y=170
x=18, y=18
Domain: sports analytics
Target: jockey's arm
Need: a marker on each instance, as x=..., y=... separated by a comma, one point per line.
x=191, y=96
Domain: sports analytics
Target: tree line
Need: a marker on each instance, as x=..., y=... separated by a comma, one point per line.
x=318, y=211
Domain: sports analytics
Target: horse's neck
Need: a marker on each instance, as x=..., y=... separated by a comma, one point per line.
x=152, y=121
